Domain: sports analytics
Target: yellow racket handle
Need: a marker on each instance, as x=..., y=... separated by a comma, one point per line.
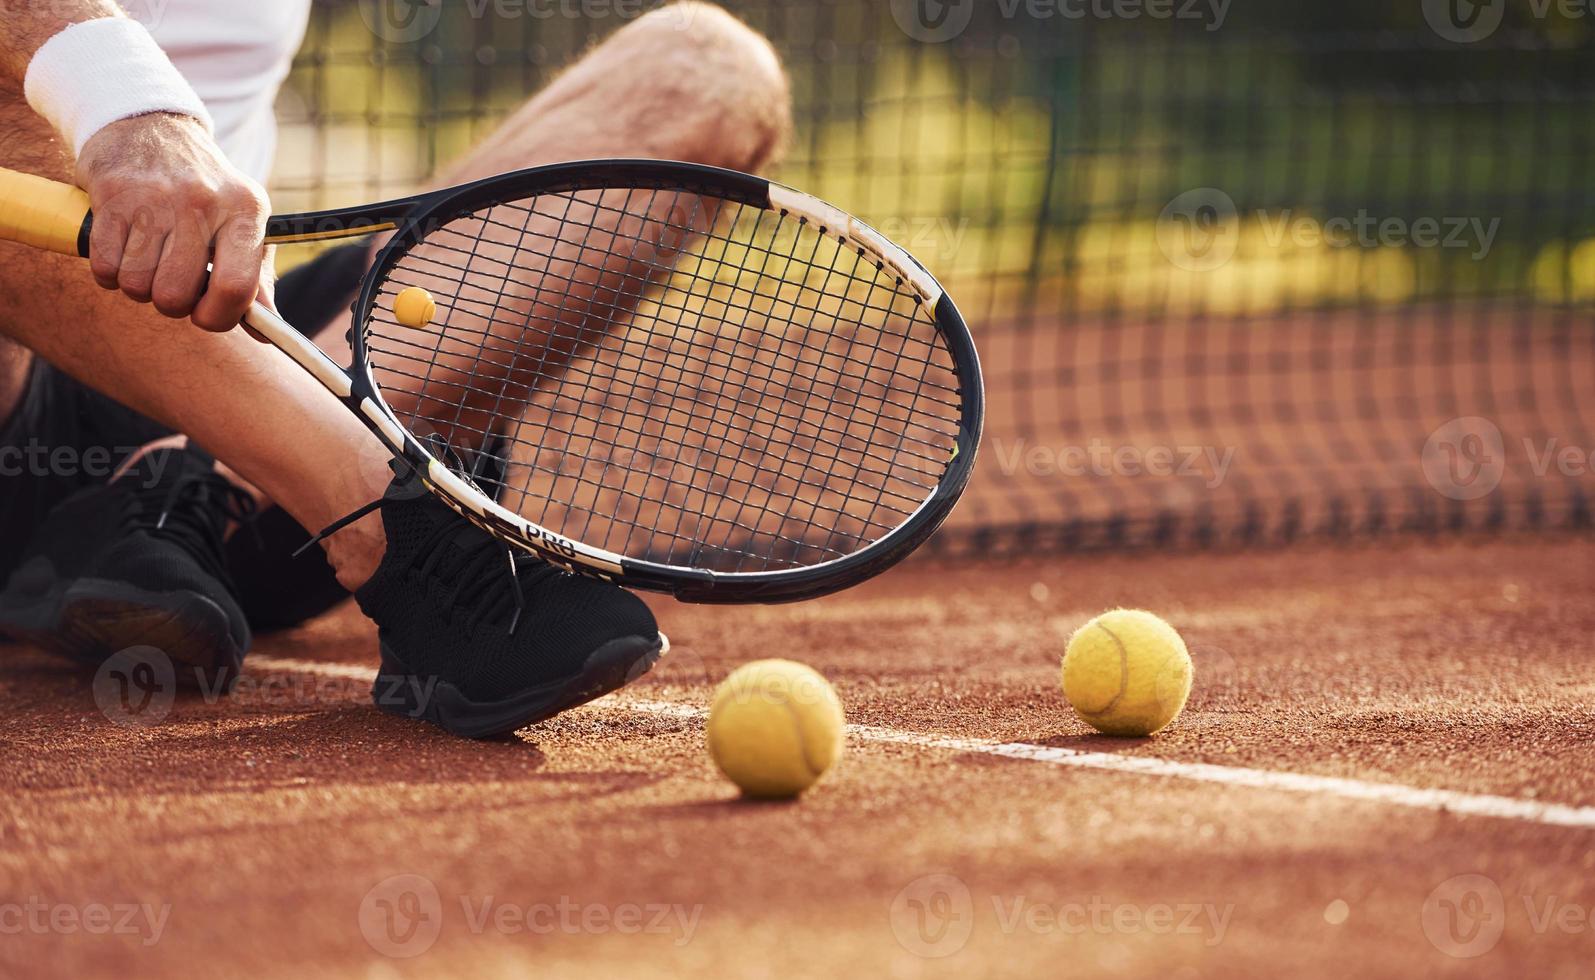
x=49, y=215
x=42, y=213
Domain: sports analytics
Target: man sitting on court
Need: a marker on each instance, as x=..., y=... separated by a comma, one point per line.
x=169, y=129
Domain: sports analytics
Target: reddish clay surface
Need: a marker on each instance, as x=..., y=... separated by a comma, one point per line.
x=267, y=829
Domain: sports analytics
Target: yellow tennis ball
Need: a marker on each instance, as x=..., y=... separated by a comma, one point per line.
x=1127, y=672
x=414, y=307
x=775, y=728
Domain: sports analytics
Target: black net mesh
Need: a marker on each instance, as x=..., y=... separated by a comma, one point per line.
x=672, y=376
x=1240, y=272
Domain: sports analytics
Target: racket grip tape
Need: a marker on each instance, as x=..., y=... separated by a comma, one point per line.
x=43, y=213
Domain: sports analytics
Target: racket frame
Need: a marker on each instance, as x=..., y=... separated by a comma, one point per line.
x=54, y=216
x=688, y=584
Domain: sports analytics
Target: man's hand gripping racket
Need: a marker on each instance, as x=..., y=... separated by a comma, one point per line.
x=673, y=377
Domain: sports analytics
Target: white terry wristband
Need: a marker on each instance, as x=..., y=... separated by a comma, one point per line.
x=99, y=71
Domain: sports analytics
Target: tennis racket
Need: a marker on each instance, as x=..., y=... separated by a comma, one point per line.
x=670, y=376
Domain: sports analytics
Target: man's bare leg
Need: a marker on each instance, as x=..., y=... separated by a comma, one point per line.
x=241, y=399
x=689, y=83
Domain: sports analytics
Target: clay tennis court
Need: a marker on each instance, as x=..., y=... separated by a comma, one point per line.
x=1355, y=474
x=1371, y=728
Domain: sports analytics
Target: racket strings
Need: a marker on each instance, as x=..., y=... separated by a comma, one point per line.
x=742, y=522
x=696, y=356
x=467, y=338
x=673, y=376
x=463, y=248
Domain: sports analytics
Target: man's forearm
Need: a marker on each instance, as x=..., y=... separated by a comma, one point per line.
x=29, y=23
x=175, y=223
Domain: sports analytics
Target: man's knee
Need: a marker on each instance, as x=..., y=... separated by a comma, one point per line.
x=706, y=55
x=716, y=37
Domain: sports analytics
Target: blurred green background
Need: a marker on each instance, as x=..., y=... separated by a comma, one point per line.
x=1027, y=160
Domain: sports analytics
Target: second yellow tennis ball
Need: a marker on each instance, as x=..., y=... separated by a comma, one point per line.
x=1127, y=672
x=414, y=307
x=775, y=728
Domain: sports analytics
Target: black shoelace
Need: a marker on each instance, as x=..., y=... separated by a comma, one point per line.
x=193, y=513
x=442, y=555
x=475, y=559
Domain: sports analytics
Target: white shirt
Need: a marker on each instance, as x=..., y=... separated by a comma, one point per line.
x=235, y=53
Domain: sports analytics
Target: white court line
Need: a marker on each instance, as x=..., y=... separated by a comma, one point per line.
x=347, y=672
x=1393, y=794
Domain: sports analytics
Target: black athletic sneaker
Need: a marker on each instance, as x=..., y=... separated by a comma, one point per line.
x=137, y=562
x=481, y=644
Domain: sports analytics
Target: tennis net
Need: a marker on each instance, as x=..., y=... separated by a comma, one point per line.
x=1239, y=273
